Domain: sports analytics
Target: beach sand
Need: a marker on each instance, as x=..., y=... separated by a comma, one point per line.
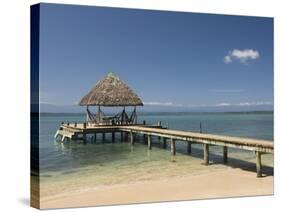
x=231, y=182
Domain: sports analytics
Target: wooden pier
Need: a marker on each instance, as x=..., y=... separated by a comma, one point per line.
x=76, y=131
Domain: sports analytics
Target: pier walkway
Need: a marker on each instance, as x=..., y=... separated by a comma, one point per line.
x=76, y=131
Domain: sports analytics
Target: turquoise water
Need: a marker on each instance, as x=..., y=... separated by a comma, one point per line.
x=101, y=164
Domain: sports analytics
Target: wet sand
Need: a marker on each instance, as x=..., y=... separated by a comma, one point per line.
x=231, y=182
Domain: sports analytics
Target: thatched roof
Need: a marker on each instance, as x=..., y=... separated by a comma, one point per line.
x=111, y=91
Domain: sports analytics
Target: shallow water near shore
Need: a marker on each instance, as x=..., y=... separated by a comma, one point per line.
x=75, y=167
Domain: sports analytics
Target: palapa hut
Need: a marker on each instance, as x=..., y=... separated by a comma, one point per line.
x=111, y=92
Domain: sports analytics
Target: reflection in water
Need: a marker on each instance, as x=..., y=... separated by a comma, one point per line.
x=148, y=154
x=173, y=158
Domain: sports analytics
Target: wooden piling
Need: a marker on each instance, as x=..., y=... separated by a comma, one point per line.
x=144, y=138
x=206, y=154
x=84, y=138
x=225, y=159
x=122, y=136
x=113, y=137
x=149, y=142
x=173, y=146
x=258, y=164
x=74, y=137
x=164, y=143
x=189, y=147
x=103, y=137
x=132, y=138
x=126, y=136
x=95, y=137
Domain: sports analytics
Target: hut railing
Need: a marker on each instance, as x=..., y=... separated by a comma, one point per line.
x=119, y=119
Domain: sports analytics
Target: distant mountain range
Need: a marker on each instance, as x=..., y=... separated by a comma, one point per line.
x=50, y=108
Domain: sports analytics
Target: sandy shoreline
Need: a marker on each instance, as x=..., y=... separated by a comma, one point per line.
x=226, y=183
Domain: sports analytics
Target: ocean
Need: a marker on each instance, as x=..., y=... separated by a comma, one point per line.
x=75, y=167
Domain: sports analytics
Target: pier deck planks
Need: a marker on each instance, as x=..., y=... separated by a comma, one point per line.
x=156, y=130
x=72, y=131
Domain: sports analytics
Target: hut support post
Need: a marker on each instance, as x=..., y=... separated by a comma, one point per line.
x=225, y=155
x=164, y=143
x=149, y=142
x=258, y=164
x=98, y=115
x=123, y=116
x=136, y=117
x=95, y=138
x=189, y=147
x=87, y=115
x=173, y=146
x=206, y=154
x=132, y=138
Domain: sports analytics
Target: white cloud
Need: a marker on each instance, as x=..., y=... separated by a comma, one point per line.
x=244, y=104
x=223, y=104
x=254, y=103
x=227, y=59
x=245, y=54
x=163, y=104
x=242, y=56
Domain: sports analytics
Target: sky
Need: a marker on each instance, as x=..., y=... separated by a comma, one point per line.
x=170, y=59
